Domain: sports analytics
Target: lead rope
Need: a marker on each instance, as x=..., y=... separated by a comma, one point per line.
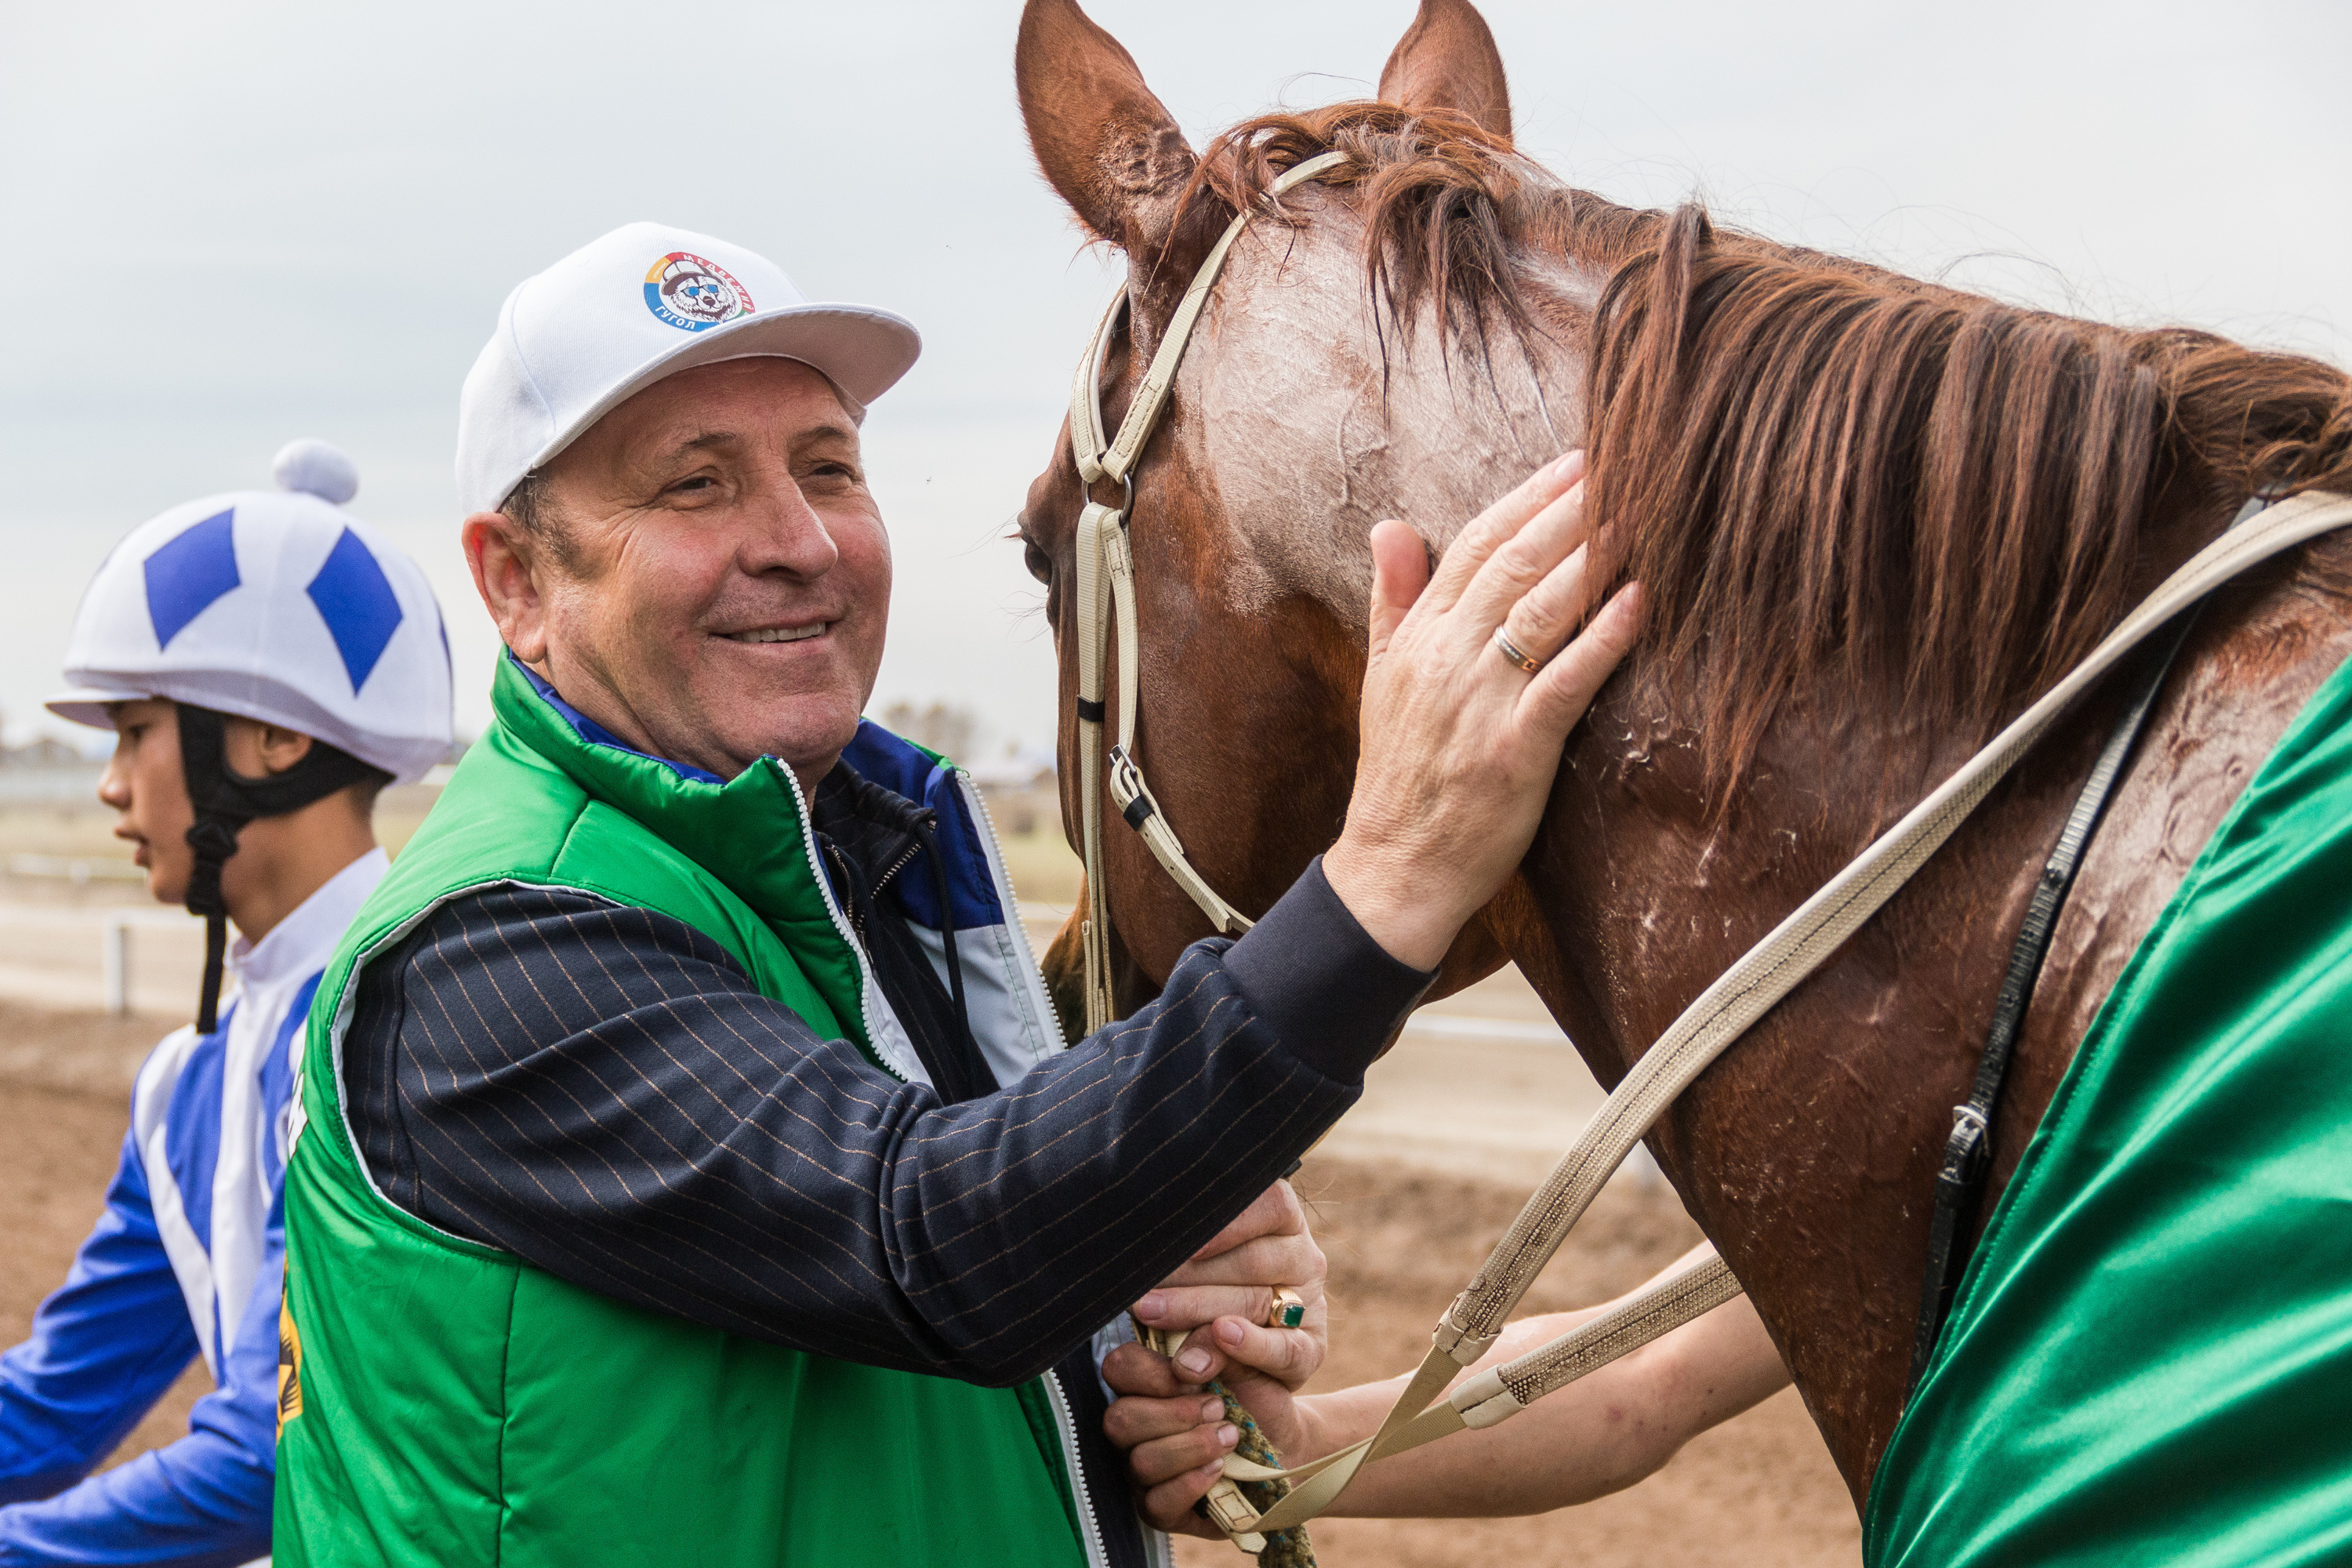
x=1721, y=1015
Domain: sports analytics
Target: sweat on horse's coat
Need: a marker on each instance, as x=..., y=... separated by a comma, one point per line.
x=2147, y=1317
x=1371, y=357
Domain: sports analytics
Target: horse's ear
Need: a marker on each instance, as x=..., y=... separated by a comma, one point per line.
x=1447, y=59
x=1105, y=142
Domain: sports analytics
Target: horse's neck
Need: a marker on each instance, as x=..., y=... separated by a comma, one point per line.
x=1808, y=1152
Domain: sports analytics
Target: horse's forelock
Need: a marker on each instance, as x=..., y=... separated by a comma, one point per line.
x=1452, y=215
x=1425, y=406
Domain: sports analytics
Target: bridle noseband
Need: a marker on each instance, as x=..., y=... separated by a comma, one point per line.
x=1106, y=590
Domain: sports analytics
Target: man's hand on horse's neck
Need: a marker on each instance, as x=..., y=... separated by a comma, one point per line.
x=1460, y=744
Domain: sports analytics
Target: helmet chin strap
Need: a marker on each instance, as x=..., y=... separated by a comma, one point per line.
x=224, y=801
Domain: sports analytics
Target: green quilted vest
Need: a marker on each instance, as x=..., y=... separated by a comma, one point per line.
x=448, y=1404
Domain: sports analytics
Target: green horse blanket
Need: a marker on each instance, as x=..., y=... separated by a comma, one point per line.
x=2150, y=1359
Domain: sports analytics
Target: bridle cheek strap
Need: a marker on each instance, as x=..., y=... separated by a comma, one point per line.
x=1106, y=590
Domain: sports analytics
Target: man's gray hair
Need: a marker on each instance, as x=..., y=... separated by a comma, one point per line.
x=527, y=506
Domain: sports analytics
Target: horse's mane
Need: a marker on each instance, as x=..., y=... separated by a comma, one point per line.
x=1826, y=476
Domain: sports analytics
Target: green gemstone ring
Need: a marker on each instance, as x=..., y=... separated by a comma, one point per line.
x=1287, y=1311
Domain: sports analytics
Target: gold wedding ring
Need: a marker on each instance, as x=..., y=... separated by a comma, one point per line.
x=1512, y=651
x=1287, y=1311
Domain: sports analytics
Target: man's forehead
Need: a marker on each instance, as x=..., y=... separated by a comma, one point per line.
x=719, y=441
x=735, y=404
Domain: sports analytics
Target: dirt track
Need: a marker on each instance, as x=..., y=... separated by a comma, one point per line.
x=1758, y=1491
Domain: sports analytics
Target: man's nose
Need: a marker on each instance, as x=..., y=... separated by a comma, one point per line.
x=790, y=537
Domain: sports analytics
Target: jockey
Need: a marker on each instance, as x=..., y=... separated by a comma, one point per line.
x=268, y=663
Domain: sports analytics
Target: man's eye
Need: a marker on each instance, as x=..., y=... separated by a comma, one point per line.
x=698, y=482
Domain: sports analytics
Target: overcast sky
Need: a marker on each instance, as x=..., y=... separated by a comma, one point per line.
x=233, y=224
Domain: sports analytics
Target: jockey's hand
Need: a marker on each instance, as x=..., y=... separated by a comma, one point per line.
x=1460, y=745
x=1177, y=1437
x=1219, y=1299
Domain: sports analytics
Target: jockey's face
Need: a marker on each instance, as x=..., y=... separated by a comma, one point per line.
x=144, y=784
x=149, y=793
x=710, y=578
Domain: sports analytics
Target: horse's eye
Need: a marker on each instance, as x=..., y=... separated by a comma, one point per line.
x=1040, y=564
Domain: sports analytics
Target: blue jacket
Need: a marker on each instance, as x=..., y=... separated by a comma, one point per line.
x=187, y=1261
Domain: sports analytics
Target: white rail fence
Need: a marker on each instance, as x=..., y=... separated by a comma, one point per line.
x=120, y=960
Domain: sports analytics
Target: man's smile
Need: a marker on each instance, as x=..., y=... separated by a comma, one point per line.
x=780, y=633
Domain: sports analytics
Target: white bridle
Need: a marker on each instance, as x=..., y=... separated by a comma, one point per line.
x=1709, y=1027
x=1105, y=588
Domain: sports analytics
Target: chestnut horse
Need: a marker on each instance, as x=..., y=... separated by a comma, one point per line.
x=1873, y=517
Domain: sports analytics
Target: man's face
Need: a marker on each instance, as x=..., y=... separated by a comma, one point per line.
x=724, y=581
x=145, y=787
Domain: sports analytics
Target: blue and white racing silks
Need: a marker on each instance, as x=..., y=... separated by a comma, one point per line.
x=188, y=1261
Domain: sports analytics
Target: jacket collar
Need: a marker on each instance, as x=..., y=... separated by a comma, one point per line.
x=735, y=829
x=750, y=832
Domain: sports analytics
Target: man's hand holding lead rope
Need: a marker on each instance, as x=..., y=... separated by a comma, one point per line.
x=1220, y=1301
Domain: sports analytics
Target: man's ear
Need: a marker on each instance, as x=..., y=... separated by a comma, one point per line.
x=506, y=566
x=1109, y=147
x=1447, y=59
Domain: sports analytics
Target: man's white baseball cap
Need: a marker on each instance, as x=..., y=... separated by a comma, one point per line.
x=620, y=313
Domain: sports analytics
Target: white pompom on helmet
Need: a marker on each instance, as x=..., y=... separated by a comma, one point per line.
x=277, y=605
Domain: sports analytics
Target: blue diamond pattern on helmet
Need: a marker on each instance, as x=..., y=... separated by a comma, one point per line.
x=189, y=573
x=356, y=600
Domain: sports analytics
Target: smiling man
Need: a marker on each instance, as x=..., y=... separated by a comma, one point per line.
x=694, y=1168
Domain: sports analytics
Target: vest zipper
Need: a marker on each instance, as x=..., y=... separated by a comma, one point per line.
x=1156, y=1548
x=1066, y=1428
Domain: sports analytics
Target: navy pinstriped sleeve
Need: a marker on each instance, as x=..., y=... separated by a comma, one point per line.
x=598, y=1088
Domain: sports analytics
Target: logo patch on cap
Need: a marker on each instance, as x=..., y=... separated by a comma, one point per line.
x=690, y=292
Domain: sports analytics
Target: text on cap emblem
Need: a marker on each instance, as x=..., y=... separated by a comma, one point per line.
x=691, y=292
